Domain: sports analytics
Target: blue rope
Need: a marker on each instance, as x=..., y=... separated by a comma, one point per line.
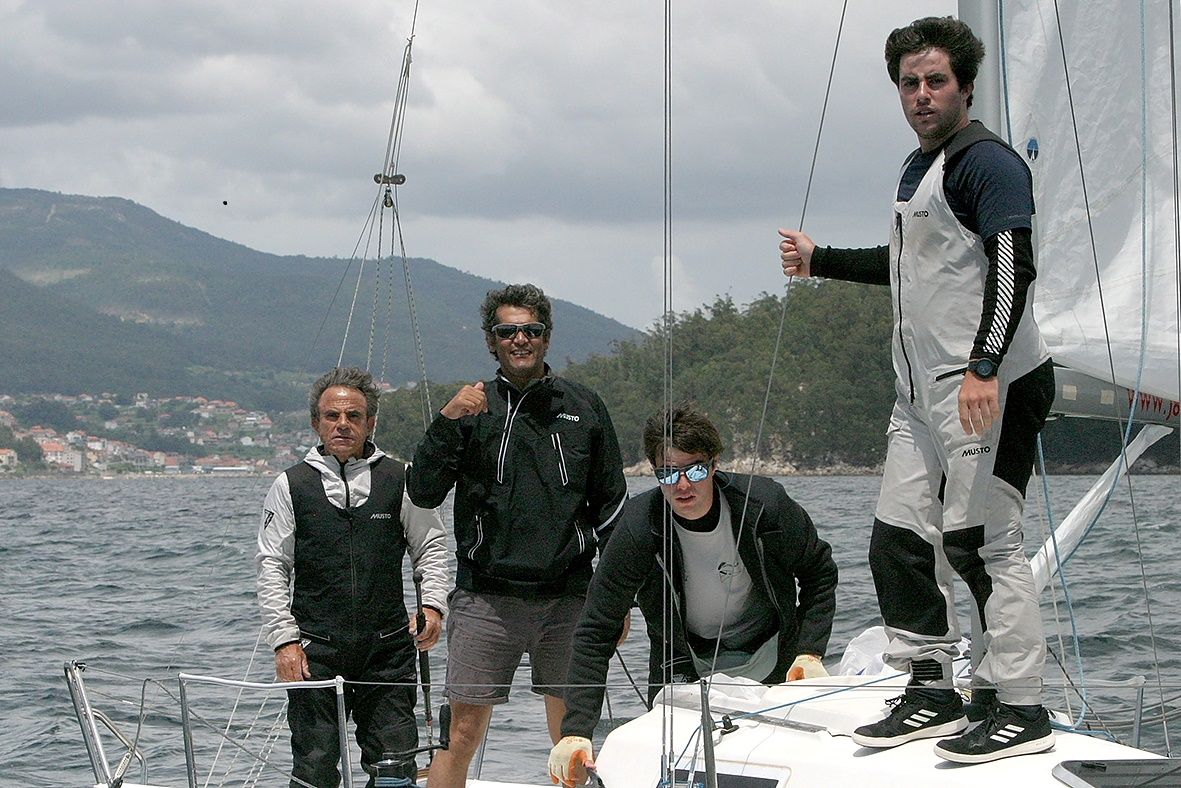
x=1078, y=653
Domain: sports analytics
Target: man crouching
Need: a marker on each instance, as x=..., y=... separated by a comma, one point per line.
x=724, y=553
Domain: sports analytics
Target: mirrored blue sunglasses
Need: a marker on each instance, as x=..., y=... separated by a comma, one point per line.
x=668, y=474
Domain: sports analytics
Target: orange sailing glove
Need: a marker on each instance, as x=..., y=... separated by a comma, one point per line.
x=568, y=761
x=806, y=666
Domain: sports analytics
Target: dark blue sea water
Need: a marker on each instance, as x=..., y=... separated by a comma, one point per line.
x=146, y=577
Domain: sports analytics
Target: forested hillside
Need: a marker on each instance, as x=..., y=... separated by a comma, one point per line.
x=99, y=294
x=828, y=403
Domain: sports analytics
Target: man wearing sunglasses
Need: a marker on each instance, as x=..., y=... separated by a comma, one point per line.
x=748, y=585
x=538, y=485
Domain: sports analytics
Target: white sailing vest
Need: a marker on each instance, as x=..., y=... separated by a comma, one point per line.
x=937, y=273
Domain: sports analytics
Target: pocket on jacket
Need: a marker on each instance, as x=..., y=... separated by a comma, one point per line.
x=569, y=460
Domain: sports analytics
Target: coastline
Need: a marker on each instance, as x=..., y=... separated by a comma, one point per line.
x=775, y=468
x=768, y=468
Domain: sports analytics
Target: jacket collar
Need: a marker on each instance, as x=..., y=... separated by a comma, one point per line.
x=322, y=461
x=546, y=380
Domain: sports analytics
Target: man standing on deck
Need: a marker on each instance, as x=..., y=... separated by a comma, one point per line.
x=538, y=484
x=736, y=551
x=974, y=387
x=340, y=523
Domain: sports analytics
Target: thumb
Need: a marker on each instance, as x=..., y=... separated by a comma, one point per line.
x=478, y=385
x=795, y=674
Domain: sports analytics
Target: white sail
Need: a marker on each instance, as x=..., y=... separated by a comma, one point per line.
x=1117, y=56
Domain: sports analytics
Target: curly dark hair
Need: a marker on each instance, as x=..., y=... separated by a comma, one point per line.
x=526, y=296
x=964, y=49
x=349, y=377
x=688, y=430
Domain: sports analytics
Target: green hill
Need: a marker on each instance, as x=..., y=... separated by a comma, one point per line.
x=102, y=294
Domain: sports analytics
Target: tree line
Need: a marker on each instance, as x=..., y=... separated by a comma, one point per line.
x=816, y=395
x=826, y=401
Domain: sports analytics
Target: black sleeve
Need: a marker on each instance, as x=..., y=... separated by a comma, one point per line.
x=867, y=266
x=626, y=563
x=436, y=463
x=816, y=574
x=606, y=488
x=1006, y=289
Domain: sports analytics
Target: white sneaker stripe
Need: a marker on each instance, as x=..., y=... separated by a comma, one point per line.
x=1007, y=734
x=919, y=718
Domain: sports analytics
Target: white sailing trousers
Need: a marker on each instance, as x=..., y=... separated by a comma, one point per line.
x=952, y=503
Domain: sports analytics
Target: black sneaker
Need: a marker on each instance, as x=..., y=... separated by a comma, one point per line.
x=983, y=701
x=914, y=717
x=1003, y=734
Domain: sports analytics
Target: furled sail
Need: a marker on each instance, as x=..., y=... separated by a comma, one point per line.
x=1106, y=225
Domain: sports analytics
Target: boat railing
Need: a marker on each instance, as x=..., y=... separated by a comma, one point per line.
x=91, y=720
x=88, y=719
x=277, y=686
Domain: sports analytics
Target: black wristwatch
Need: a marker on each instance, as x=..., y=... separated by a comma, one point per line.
x=984, y=368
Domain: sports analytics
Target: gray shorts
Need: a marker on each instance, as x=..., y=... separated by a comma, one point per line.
x=488, y=633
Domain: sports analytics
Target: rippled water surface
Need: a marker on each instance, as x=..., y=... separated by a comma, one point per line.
x=143, y=578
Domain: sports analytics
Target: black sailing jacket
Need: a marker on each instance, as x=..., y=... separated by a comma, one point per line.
x=779, y=547
x=538, y=484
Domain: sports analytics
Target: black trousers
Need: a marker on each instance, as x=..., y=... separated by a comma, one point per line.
x=383, y=715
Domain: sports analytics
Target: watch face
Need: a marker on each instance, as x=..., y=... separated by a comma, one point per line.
x=984, y=368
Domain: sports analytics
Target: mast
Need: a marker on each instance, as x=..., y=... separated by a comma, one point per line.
x=983, y=16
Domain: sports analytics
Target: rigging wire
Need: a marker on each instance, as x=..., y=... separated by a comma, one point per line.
x=393, y=150
x=1048, y=519
x=782, y=322
x=1102, y=304
x=1041, y=460
x=1176, y=192
x=1124, y=427
x=376, y=293
x=388, y=180
x=1143, y=350
x=667, y=766
x=365, y=238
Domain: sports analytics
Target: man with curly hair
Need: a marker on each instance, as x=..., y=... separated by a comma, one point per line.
x=539, y=485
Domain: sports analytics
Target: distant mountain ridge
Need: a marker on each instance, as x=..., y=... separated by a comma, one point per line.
x=103, y=294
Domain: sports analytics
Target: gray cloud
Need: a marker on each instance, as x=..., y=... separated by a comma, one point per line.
x=533, y=136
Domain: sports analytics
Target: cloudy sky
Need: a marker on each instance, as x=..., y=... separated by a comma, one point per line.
x=533, y=132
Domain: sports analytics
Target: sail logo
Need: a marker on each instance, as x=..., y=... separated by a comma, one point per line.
x=1031, y=149
x=567, y=417
x=976, y=450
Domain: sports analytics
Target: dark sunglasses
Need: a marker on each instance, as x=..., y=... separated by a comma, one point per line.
x=668, y=475
x=509, y=330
